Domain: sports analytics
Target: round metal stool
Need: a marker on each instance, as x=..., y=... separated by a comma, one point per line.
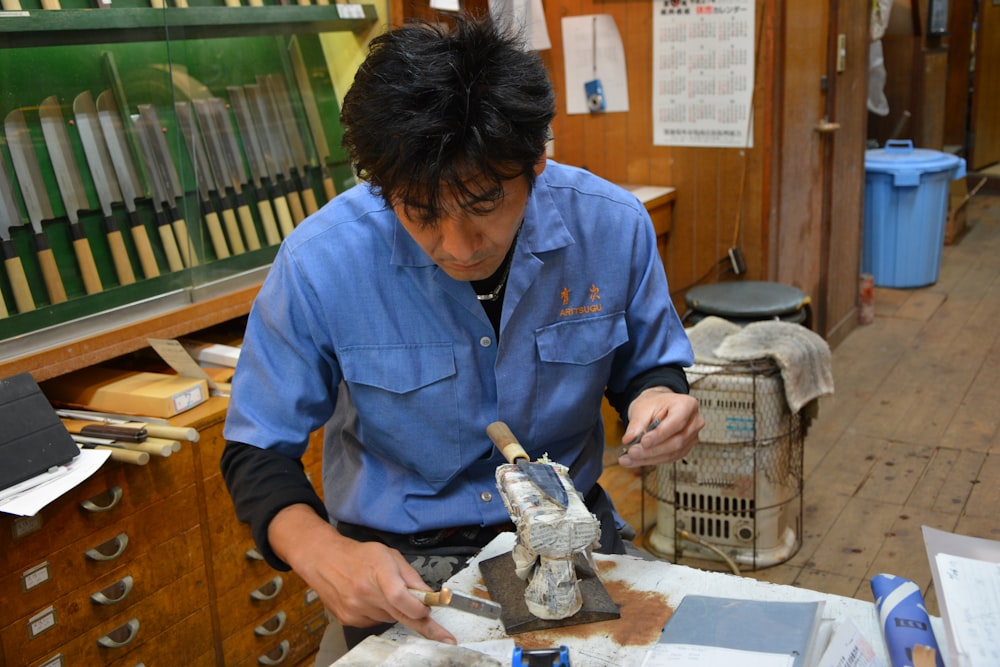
x=747, y=301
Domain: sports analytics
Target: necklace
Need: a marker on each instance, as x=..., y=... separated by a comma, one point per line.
x=508, y=260
x=495, y=294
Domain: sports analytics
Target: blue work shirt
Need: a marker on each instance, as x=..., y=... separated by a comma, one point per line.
x=355, y=317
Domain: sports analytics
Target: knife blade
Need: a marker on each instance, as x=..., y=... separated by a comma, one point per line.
x=541, y=474
x=217, y=114
x=449, y=598
x=255, y=158
x=70, y=187
x=162, y=171
x=272, y=138
x=110, y=119
x=36, y=200
x=297, y=162
x=202, y=177
x=15, y=269
x=234, y=162
x=228, y=186
x=313, y=116
x=99, y=160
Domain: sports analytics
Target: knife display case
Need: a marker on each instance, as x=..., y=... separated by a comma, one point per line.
x=151, y=161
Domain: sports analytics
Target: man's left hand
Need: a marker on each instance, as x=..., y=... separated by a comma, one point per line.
x=673, y=436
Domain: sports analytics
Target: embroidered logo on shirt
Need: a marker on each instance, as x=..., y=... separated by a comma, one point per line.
x=594, y=306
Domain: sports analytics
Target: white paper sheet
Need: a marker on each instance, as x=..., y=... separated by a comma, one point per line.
x=50, y=485
x=526, y=16
x=966, y=573
x=587, y=58
x=703, y=73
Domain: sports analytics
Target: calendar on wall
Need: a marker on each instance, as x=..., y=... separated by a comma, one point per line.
x=703, y=73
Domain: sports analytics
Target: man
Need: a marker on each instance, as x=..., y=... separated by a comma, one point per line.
x=468, y=280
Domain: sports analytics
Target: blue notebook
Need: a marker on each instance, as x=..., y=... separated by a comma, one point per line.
x=764, y=626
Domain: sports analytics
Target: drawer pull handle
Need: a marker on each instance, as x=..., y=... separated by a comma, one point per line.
x=282, y=653
x=110, y=550
x=114, y=495
x=121, y=636
x=268, y=591
x=114, y=593
x=271, y=626
x=253, y=553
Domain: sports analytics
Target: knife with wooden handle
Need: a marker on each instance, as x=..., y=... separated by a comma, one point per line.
x=295, y=150
x=313, y=116
x=70, y=187
x=163, y=177
x=449, y=598
x=15, y=269
x=258, y=166
x=36, y=199
x=202, y=175
x=541, y=475
x=113, y=131
x=99, y=160
x=270, y=132
x=228, y=187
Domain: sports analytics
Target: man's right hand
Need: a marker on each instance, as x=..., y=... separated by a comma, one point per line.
x=361, y=583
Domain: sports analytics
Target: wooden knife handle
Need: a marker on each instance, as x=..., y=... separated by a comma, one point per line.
x=18, y=279
x=88, y=268
x=505, y=441
x=50, y=271
x=170, y=247
x=328, y=188
x=295, y=204
x=309, y=199
x=271, y=234
x=246, y=222
x=123, y=266
x=126, y=455
x=145, y=249
x=215, y=232
x=433, y=598
x=183, y=240
x=284, y=215
x=172, y=432
x=233, y=231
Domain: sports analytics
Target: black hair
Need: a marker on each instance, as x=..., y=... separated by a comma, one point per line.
x=440, y=113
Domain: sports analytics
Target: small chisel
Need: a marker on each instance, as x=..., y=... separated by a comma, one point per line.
x=449, y=598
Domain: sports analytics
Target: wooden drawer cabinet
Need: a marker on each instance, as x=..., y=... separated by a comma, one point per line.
x=149, y=564
x=290, y=632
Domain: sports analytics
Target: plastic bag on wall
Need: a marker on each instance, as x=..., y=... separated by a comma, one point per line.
x=877, y=102
x=880, y=17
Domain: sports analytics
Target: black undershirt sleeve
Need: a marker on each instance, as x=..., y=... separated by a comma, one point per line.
x=672, y=377
x=261, y=483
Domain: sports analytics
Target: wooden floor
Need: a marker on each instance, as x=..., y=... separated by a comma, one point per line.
x=911, y=435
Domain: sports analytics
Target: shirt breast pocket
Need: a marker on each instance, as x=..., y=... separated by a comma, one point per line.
x=406, y=397
x=576, y=358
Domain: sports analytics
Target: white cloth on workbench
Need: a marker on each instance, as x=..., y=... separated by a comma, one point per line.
x=802, y=356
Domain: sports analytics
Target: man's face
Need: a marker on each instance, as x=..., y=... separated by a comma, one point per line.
x=471, y=246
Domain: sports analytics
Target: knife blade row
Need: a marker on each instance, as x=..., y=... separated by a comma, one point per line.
x=251, y=164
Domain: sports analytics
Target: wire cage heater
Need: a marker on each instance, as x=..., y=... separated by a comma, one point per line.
x=739, y=489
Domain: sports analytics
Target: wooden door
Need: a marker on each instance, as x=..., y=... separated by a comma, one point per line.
x=820, y=183
x=984, y=125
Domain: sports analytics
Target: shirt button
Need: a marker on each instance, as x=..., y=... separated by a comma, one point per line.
x=485, y=341
x=486, y=496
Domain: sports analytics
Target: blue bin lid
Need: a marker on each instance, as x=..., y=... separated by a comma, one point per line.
x=906, y=164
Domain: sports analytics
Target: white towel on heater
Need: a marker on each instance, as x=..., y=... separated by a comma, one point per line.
x=802, y=356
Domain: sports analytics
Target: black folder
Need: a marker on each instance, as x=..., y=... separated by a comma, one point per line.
x=32, y=438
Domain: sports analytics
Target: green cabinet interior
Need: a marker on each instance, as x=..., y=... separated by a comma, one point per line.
x=166, y=56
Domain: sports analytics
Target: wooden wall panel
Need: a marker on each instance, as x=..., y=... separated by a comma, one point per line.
x=722, y=194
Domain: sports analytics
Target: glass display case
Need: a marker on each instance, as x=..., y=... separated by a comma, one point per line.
x=151, y=161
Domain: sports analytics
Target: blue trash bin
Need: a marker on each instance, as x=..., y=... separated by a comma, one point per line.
x=906, y=209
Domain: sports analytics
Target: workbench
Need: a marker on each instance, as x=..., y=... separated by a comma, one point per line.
x=646, y=590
